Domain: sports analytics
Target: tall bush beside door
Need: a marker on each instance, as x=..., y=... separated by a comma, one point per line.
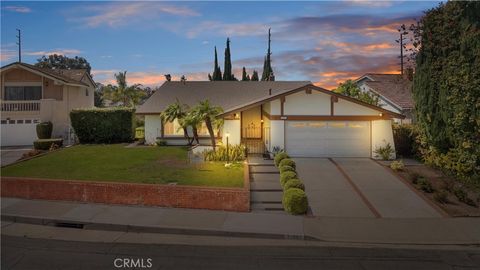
x=103, y=125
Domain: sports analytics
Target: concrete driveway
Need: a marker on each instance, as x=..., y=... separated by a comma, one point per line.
x=358, y=187
x=11, y=154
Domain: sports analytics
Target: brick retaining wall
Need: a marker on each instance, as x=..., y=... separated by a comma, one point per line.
x=229, y=199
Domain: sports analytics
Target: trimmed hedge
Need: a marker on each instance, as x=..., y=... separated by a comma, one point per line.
x=286, y=168
x=295, y=201
x=284, y=177
x=45, y=144
x=103, y=125
x=279, y=157
x=294, y=183
x=44, y=130
x=287, y=162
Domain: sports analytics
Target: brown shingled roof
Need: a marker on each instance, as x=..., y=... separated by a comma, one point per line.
x=393, y=87
x=227, y=94
x=73, y=76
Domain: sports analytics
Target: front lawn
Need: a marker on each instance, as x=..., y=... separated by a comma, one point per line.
x=115, y=163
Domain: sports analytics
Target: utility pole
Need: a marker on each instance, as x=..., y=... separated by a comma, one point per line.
x=19, y=43
x=403, y=31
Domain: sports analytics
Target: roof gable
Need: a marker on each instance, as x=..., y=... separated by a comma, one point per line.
x=72, y=76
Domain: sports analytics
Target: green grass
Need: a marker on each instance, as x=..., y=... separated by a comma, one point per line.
x=115, y=163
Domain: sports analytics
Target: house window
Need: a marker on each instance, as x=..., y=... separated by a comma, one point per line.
x=86, y=92
x=172, y=129
x=23, y=92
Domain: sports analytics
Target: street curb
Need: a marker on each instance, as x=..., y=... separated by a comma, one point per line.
x=146, y=229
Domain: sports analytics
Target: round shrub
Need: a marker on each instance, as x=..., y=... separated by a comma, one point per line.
x=287, y=162
x=284, y=177
x=295, y=201
x=294, y=183
x=286, y=168
x=44, y=130
x=279, y=157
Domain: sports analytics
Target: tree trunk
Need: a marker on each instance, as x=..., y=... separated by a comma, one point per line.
x=195, y=135
x=185, y=134
x=208, y=123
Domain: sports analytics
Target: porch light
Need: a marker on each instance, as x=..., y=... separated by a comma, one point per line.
x=380, y=114
x=261, y=121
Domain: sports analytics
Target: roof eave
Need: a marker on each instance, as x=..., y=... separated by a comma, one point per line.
x=40, y=73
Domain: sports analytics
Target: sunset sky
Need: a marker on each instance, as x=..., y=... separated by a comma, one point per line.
x=324, y=42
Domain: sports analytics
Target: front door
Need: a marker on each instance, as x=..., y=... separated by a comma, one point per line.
x=251, y=123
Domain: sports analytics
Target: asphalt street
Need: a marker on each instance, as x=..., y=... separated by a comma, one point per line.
x=28, y=253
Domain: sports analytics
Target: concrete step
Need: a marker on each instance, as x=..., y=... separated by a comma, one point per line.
x=267, y=206
x=263, y=169
x=266, y=197
x=270, y=185
x=259, y=177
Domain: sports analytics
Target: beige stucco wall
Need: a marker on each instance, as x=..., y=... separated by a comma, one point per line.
x=153, y=128
x=51, y=90
x=277, y=133
x=301, y=103
x=345, y=107
x=382, y=134
x=233, y=128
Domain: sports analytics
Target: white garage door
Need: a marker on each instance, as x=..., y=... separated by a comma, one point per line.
x=18, y=131
x=328, y=138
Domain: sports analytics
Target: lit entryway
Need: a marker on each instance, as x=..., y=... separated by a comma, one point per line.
x=18, y=131
x=327, y=138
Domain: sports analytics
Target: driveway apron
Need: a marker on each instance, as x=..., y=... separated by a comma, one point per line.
x=329, y=193
x=388, y=195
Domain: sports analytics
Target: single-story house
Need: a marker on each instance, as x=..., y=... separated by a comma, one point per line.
x=297, y=116
x=394, y=91
x=30, y=95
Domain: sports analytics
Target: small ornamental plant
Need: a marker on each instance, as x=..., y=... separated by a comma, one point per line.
x=294, y=183
x=284, y=177
x=295, y=201
x=287, y=162
x=286, y=168
x=397, y=165
x=279, y=157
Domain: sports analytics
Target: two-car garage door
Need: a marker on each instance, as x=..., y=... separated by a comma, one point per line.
x=327, y=138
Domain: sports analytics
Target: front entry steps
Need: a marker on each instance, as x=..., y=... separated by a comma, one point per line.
x=265, y=189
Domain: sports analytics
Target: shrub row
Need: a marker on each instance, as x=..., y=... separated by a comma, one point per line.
x=294, y=198
x=103, y=125
x=46, y=144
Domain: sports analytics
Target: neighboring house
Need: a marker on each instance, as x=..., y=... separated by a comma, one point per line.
x=394, y=90
x=303, y=119
x=31, y=94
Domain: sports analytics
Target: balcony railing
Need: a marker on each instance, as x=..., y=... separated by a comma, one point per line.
x=20, y=106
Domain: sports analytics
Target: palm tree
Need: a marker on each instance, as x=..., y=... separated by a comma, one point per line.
x=208, y=114
x=127, y=95
x=176, y=111
x=193, y=120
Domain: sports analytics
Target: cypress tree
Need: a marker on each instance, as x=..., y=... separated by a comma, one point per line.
x=217, y=72
x=267, y=74
x=254, y=76
x=227, y=71
x=245, y=76
x=446, y=89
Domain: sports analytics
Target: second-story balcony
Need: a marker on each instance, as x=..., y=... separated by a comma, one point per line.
x=20, y=106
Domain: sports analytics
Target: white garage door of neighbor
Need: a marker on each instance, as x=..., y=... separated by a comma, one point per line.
x=18, y=132
x=328, y=138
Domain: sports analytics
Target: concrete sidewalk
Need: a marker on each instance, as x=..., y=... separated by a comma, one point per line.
x=263, y=225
